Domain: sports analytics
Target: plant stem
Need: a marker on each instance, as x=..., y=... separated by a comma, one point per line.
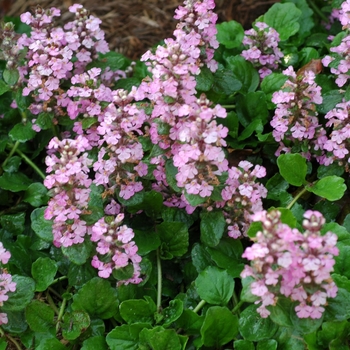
x=317, y=10
x=237, y=307
x=14, y=341
x=61, y=312
x=13, y=150
x=51, y=303
x=199, y=306
x=235, y=300
x=58, y=280
x=289, y=206
x=159, y=286
x=28, y=161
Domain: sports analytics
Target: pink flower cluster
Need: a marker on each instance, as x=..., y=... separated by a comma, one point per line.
x=337, y=146
x=70, y=185
x=6, y=283
x=51, y=52
x=115, y=247
x=295, y=123
x=297, y=265
x=242, y=196
x=263, y=49
x=341, y=65
x=182, y=124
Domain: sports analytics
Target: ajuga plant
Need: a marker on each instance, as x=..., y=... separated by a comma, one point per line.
x=193, y=199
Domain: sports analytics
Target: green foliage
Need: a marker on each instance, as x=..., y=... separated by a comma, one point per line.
x=191, y=294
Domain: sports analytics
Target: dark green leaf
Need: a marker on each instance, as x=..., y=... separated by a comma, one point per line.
x=74, y=324
x=97, y=298
x=212, y=227
x=12, y=165
x=94, y=343
x=138, y=310
x=78, y=253
x=159, y=338
x=204, y=80
x=23, y=294
x=174, y=239
x=22, y=132
x=255, y=328
x=40, y=317
x=14, y=182
x=293, y=168
x=225, y=82
x=172, y=312
x=125, y=337
x=230, y=34
x=43, y=272
x=244, y=72
x=3, y=87
x=219, y=327
x=36, y=195
x=215, y=286
x=13, y=223
x=243, y=344
x=41, y=226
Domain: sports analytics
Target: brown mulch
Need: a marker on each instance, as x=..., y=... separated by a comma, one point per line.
x=133, y=26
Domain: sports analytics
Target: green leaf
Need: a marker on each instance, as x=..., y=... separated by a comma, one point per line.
x=268, y=344
x=230, y=34
x=338, y=308
x=219, y=327
x=36, y=195
x=10, y=76
x=244, y=72
x=329, y=100
x=14, y=182
x=212, y=227
x=78, y=253
x=13, y=223
x=329, y=187
x=40, y=317
x=243, y=344
x=22, y=296
x=12, y=164
x=246, y=293
x=74, y=324
x=146, y=241
x=252, y=108
x=97, y=298
x=112, y=60
x=43, y=272
x=3, y=87
x=125, y=337
x=138, y=310
x=174, y=239
x=204, y=80
x=276, y=186
x=17, y=323
x=293, y=168
x=255, y=328
x=80, y=274
x=170, y=172
x=271, y=83
x=227, y=255
x=190, y=322
x=22, y=132
x=152, y=204
x=332, y=330
x=97, y=342
x=215, y=286
x=41, y=226
x=225, y=82
x=172, y=312
x=284, y=18
x=200, y=257
x=159, y=338
x=50, y=344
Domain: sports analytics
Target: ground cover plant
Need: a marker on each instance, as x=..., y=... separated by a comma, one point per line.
x=193, y=199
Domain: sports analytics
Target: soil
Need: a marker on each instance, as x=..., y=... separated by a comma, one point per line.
x=133, y=26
